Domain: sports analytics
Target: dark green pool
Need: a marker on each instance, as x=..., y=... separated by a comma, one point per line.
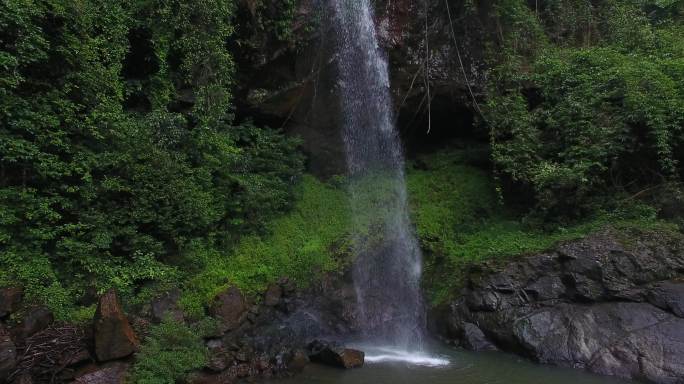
x=462, y=368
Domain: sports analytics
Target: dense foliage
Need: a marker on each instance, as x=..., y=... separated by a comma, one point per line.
x=587, y=100
x=170, y=352
x=460, y=221
x=117, y=148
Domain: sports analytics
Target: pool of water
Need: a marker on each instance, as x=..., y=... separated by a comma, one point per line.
x=446, y=366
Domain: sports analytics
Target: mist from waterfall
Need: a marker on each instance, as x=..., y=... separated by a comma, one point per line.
x=388, y=266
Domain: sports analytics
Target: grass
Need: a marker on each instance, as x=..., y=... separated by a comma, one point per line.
x=460, y=221
x=309, y=240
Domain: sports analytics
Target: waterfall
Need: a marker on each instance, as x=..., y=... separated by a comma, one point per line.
x=388, y=265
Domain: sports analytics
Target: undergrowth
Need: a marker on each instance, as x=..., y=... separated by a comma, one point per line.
x=309, y=240
x=460, y=221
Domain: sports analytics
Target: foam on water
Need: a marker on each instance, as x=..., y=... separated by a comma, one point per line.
x=395, y=355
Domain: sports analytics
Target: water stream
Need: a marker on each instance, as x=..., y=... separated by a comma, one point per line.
x=388, y=265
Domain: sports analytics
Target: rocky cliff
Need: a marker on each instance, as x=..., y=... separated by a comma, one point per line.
x=612, y=303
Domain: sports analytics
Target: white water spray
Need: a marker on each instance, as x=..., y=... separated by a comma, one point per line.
x=388, y=266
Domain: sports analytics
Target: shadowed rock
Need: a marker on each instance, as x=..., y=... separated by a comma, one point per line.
x=230, y=307
x=167, y=305
x=335, y=355
x=8, y=354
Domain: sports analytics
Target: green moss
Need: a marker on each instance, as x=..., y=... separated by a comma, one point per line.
x=460, y=222
x=310, y=239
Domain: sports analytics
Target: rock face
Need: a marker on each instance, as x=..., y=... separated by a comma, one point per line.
x=610, y=303
x=335, y=355
x=114, y=337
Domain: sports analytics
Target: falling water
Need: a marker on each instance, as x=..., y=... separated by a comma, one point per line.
x=388, y=265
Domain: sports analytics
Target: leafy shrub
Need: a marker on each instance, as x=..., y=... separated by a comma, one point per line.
x=118, y=149
x=578, y=123
x=460, y=221
x=169, y=353
x=311, y=238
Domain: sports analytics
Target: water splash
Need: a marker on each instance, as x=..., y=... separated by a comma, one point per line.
x=388, y=265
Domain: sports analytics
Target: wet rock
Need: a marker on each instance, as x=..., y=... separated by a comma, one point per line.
x=8, y=354
x=475, y=340
x=273, y=295
x=230, y=307
x=10, y=298
x=297, y=360
x=335, y=355
x=166, y=305
x=35, y=320
x=610, y=306
x=114, y=337
x=110, y=373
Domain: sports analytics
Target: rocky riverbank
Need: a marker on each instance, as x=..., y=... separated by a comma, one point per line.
x=259, y=337
x=612, y=303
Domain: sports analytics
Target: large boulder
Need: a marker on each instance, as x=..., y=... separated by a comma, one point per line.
x=8, y=354
x=335, y=355
x=114, y=337
x=230, y=307
x=10, y=298
x=611, y=303
x=35, y=319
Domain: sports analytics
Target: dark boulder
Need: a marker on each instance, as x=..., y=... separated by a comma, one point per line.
x=610, y=303
x=166, y=305
x=335, y=355
x=114, y=337
x=230, y=307
x=8, y=354
x=36, y=319
x=297, y=360
x=110, y=373
x=273, y=294
x=10, y=298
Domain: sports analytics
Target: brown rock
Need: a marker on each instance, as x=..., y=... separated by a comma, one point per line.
x=24, y=378
x=272, y=295
x=114, y=337
x=297, y=361
x=335, y=355
x=8, y=354
x=110, y=373
x=230, y=307
x=10, y=298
